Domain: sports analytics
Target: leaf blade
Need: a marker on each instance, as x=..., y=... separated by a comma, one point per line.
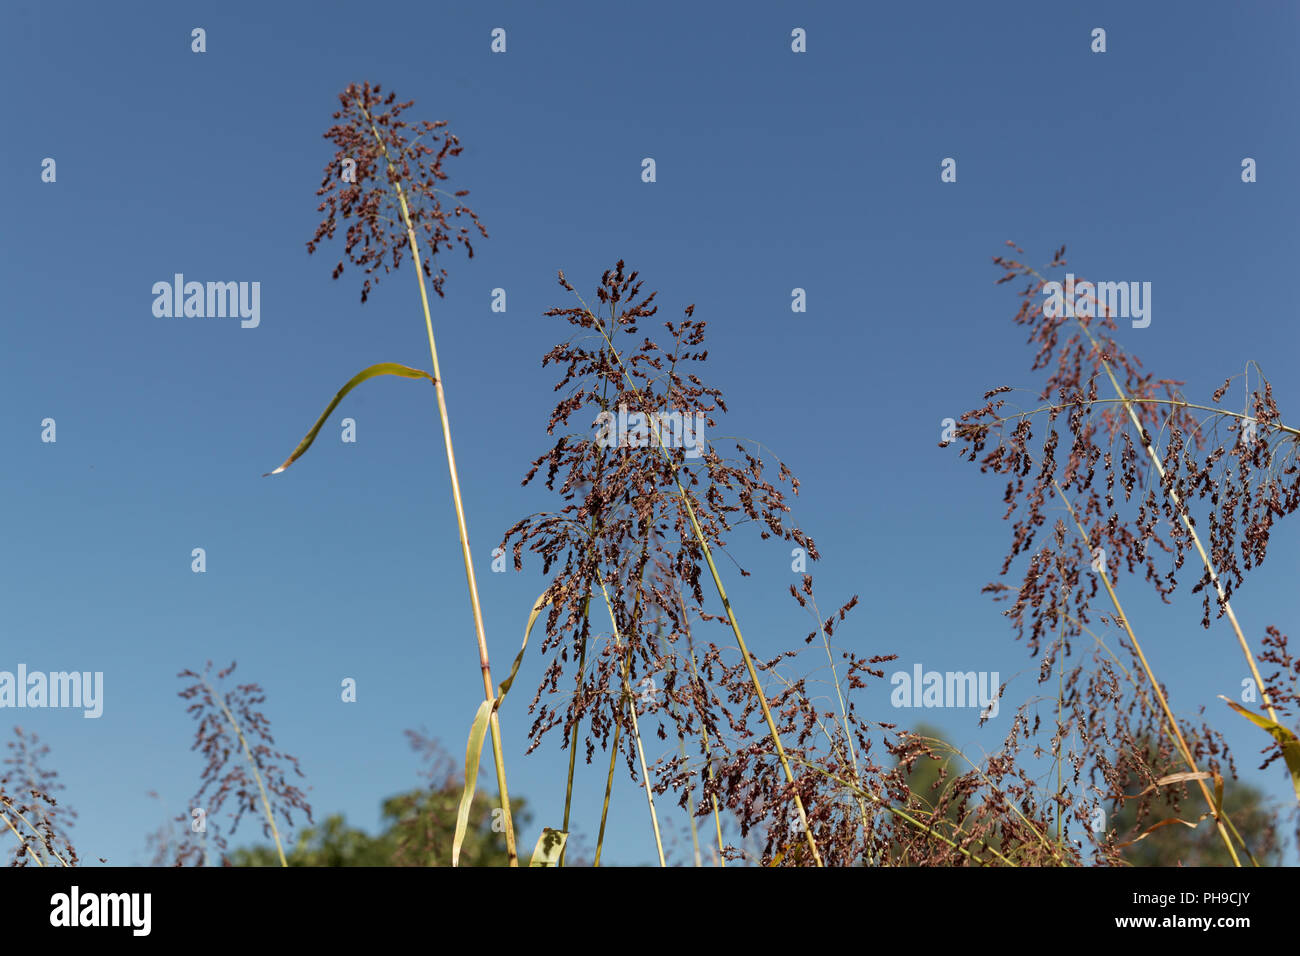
x=549, y=847
x=473, y=751
x=538, y=606
x=1285, y=737
x=382, y=368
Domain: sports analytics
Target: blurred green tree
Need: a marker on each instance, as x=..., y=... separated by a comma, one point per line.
x=418, y=831
x=418, y=826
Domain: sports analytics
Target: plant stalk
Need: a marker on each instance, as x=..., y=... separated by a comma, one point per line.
x=488, y=687
x=1155, y=685
x=266, y=804
x=731, y=616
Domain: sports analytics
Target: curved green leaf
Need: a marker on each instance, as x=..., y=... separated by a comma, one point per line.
x=549, y=846
x=473, y=750
x=1285, y=737
x=383, y=368
x=538, y=607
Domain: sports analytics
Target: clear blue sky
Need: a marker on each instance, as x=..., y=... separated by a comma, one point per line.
x=775, y=171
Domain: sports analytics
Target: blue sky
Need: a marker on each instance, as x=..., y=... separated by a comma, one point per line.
x=775, y=170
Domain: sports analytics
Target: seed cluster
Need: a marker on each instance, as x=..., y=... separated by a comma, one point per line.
x=626, y=535
x=1114, y=505
x=39, y=821
x=227, y=774
x=390, y=153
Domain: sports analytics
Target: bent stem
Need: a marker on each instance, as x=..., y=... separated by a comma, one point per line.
x=488, y=695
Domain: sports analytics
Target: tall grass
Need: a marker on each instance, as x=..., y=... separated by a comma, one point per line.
x=641, y=524
x=385, y=178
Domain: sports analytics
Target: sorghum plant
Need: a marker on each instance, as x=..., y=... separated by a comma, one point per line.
x=384, y=178
x=638, y=530
x=229, y=725
x=1126, y=492
x=386, y=181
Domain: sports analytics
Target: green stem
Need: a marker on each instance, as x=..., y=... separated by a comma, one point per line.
x=636, y=730
x=266, y=804
x=462, y=528
x=582, y=662
x=609, y=786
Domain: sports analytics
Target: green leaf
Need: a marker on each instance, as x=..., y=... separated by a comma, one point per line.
x=538, y=607
x=549, y=847
x=1283, y=735
x=473, y=750
x=383, y=368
